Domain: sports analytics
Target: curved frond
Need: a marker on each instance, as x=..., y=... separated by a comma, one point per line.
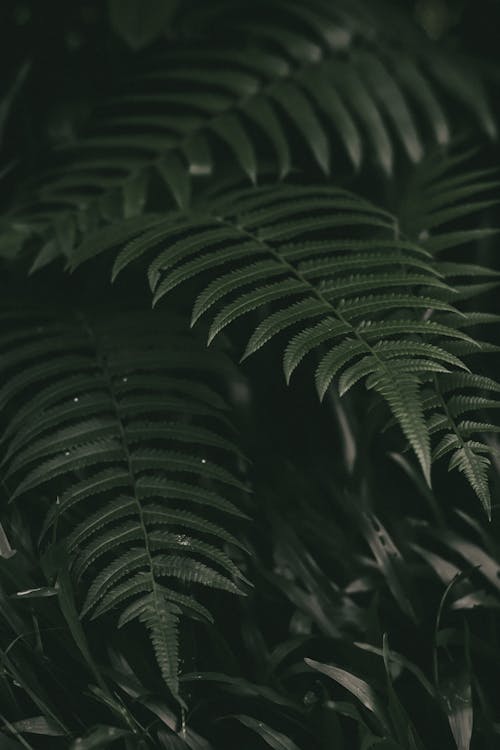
x=333, y=275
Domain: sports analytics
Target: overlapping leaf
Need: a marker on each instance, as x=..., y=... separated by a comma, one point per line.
x=315, y=78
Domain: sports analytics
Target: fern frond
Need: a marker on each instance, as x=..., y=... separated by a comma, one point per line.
x=268, y=249
x=443, y=191
x=132, y=451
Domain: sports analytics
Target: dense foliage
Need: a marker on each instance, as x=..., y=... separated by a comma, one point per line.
x=248, y=350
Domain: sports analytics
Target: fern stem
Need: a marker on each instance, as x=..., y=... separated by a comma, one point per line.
x=157, y=595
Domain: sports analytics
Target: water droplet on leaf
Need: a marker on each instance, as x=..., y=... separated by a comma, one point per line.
x=310, y=697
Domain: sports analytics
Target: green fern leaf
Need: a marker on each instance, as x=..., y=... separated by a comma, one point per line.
x=101, y=482
x=158, y=514
x=418, y=86
x=188, y=570
x=328, y=101
x=120, y=508
x=253, y=300
x=391, y=97
x=402, y=393
x=277, y=322
x=162, y=620
x=175, y=175
x=119, y=568
x=355, y=91
x=157, y=485
x=230, y=130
